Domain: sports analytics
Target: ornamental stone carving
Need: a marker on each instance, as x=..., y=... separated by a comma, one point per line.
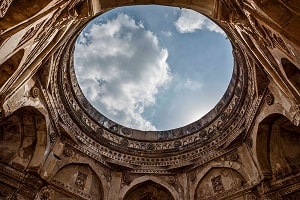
x=269, y=99
x=35, y=92
x=246, y=147
x=4, y=7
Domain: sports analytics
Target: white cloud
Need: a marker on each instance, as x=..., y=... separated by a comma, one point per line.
x=188, y=84
x=167, y=33
x=120, y=67
x=189, y=21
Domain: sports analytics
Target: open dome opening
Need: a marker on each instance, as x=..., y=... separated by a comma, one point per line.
x=153, y=67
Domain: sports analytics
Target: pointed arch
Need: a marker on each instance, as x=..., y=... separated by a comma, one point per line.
x=94, y=168
x=235, y=166
x=277, y=142
x=146, y=180
x=81, y=178
x=27, y=128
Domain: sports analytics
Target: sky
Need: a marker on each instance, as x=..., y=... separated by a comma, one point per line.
x=153, y=67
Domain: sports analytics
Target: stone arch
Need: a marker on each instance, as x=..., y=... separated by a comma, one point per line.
x=94, y=168
x=269, y=110
x=292, y=73
x=277, y=142
x=274, y=109
x=23, y=139
x=144, y=181
x=81, y=179
x=8, y=68
x=238, y=168
x=218, y=180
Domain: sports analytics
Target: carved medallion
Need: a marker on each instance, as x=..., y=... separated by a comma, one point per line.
x=126, y=178
x=68, y=152
x=172, y=180
x=269, y=99
x=192, y=176
x=35, y=92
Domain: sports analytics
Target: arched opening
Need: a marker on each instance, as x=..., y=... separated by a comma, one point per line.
x=219, y=181
x=23, y=139
x=278, y=147
x=154, y=66
x=82, y=179
x=148, y=190
x=10, y=66
x=292, y=73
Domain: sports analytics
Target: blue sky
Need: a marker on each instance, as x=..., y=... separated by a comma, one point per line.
x=153, y=67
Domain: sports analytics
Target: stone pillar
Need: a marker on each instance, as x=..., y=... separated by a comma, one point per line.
x=115, y=184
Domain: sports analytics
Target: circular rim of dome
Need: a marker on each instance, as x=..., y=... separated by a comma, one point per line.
x=139, y=154
x=99, y=121
x=95, y=103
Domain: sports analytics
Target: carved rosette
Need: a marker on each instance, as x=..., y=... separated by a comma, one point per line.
x=192, y=176
x=35, y=92
x=269, y=99
x=45, y=194
x=68, y=152
x=172, y=180
x=126, y=179
x=233, y=157
x=251, y=196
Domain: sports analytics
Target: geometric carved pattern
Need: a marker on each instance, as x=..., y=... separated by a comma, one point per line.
x=80, y=180
x=4, y=7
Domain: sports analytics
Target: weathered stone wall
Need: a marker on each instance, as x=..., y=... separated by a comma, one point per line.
x=54, y=145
